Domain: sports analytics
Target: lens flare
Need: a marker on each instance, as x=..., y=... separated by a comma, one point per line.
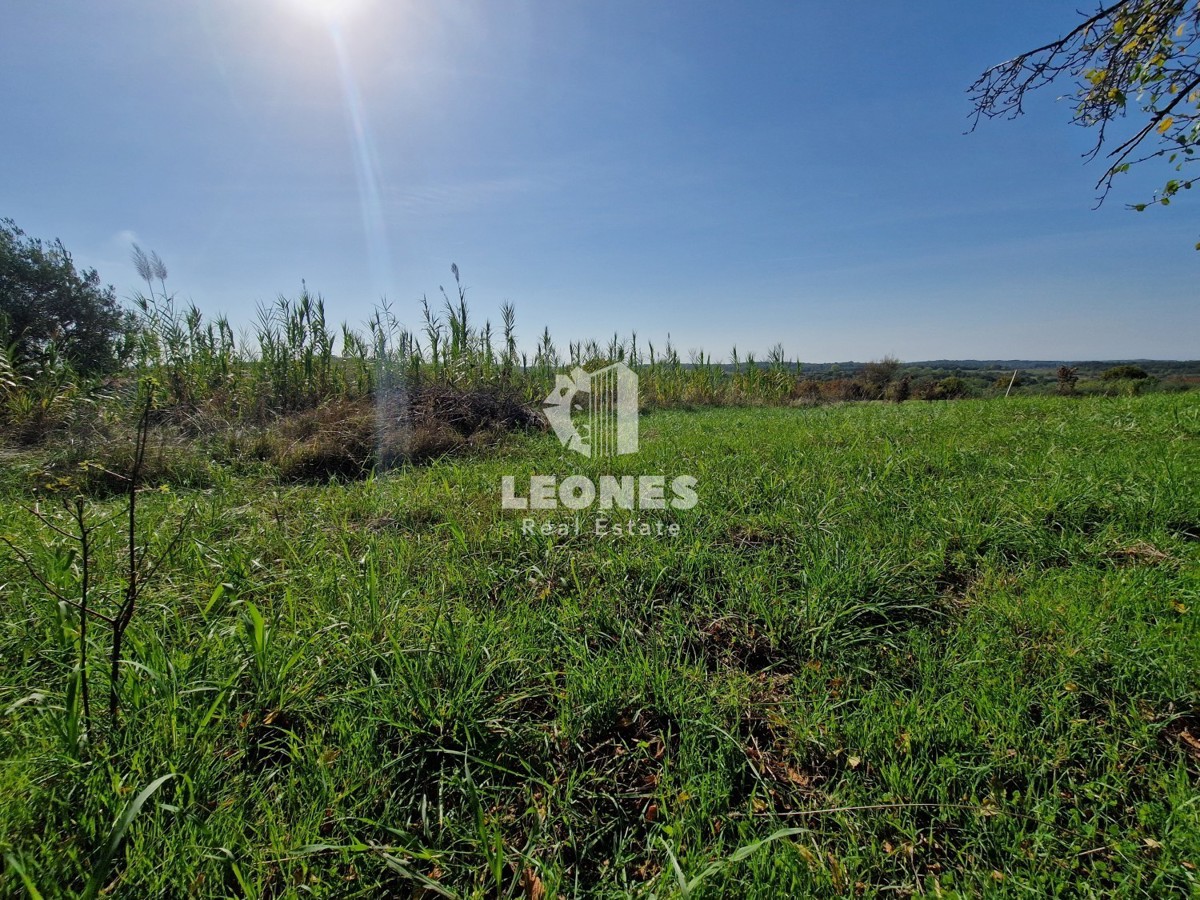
x=366, y=168
x=330, y=11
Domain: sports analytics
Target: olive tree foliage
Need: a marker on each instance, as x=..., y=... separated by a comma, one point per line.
x=1135, y=60
x=51, y=311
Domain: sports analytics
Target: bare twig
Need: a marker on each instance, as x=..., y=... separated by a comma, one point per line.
x=1143, y=49
x=37, y=576
x=133, y=582
x=79, y=511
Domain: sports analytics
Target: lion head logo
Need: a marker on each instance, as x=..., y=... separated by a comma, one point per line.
x=608, y=416
x=560, y=403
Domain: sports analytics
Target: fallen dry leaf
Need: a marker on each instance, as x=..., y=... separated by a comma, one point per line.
x=797, y=777
x=1190, y=741
x=532, y=885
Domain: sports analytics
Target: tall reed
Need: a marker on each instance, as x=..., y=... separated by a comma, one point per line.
x=296, y=359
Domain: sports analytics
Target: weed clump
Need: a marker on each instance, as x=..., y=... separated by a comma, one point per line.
x=93, y=462
x=346, y=439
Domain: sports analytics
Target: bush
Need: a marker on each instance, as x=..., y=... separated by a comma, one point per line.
x=1176, y=384
x=951, y=388
x=94, y=462
x=843, y=389
x=877, y=375
x=1124, y=373
x=1120, y=387
x=901, y=390
x=807, y=391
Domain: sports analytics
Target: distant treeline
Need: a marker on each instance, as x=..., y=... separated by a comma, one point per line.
x=1159, y=368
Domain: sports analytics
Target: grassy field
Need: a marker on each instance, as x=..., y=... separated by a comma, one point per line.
x=894, y=649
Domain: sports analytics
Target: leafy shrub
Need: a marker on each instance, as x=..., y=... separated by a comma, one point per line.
x=807, y=391
x=901, y=390
x=950, y=388
x=33, y=408
x=95, y=463
x=843, y=389
x=877, y=375
x=1124, y=373
x=953, y=388
x=1176, y=384
x=1120, y=387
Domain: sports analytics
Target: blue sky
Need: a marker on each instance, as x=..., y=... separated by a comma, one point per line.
x=725, y=173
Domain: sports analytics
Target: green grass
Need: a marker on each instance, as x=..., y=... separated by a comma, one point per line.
x=894, y=649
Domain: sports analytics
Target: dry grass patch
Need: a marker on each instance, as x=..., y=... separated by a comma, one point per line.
x=346, y=438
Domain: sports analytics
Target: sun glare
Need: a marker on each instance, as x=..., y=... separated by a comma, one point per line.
x=331, y=11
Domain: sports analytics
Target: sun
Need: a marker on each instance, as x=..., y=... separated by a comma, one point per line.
x=330, y=11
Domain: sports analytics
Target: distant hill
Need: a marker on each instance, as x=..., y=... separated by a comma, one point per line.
x=1159, y=367
x=981, y=377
